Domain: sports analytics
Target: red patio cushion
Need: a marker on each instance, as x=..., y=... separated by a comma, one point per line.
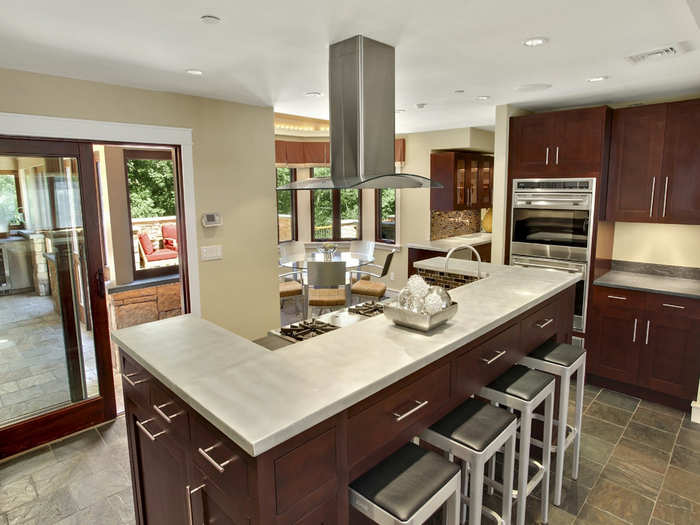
x=161, y=255
x=146, y=243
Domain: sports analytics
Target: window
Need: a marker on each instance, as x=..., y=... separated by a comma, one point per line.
x=151, y=185
x=286, y=206
x=11, y=199
x=385, y=215
x=336, y=215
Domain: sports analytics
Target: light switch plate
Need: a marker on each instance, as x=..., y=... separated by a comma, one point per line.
x=212, y=253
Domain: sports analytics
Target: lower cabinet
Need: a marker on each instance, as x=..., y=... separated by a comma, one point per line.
x=646, y=340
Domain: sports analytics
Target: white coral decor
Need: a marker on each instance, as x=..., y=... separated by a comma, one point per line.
x=432, y=303
x=417, y=286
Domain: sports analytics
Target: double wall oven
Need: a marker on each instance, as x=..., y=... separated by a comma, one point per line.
x=552, y=228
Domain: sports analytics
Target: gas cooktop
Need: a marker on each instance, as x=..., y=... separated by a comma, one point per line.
x=306, y=330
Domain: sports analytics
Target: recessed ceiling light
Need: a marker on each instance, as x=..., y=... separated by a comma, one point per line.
x=195, y=72
x=482, y=98
x=597, y=79
x=533, y=87
x=459, y=91
x=535, y=41
x=210, y=19
x=313, y=94
x=421, y=105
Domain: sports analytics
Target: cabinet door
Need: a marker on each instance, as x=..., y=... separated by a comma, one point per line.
x=210, y=506
x=460, y=184
x=579, y=137
x=615, y=336
x=485, y=181
x=670, y=360
x=160, y=471
x=531, y=145
x=442, y=170
x=635, y=163
x=472, y=189
x=680, y=188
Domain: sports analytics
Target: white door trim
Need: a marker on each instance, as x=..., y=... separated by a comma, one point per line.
x=95, y=130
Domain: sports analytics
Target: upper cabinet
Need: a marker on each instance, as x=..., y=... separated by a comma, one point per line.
x=467, y=178
x=654, y=164
x=319, y=152
x=559, y=144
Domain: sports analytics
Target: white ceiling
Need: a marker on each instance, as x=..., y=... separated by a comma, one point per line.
x=270, y=52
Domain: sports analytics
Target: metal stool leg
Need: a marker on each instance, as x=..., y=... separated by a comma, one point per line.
x=523, y=463
x=508, y=470
x=465, y=487
x=561, y=436
x=451, y=510
x=580, y=380
x=547, y=453
x=476, y=492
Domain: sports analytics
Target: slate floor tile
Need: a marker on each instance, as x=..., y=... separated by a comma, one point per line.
x=601, y=429
x=25, y=464
x=687, y=423
x=100, y=512
x=590, y=515
x=621, y=502
x=689, y=438
x=662, y=409
x=618, y=400
x=630, y=475
x=650, y=436
x=644, y=456
x=609, y=413
x=85, y=442
x=16, y=493
x=99, y=485
x=588, y=471
x=3, y=519
x=676, y=510
x=595, y=449
x=123, y=504
x=682, y=483
x=666, y=422
x=45, y=510
x=686, y=459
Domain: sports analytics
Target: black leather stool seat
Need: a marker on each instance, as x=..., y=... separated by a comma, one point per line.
x=402, y=483
x=558, y=353
x=521, y=382
x=474, y=423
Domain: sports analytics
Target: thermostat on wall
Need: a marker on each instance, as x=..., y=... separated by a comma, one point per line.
x=211, y=219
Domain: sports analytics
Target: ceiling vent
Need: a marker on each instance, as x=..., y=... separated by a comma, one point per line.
x=658, y=54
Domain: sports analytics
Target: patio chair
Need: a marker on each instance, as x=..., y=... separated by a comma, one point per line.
x=149, y=254
x=169, y=232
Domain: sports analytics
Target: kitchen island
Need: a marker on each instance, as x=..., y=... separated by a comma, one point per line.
x=222, y=430
x=420, y=250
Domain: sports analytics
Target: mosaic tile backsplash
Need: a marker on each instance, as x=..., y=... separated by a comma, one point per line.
x=446, y=280
x=450, y=223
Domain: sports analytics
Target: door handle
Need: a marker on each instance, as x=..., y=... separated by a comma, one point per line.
x=142, y=428
x=617, y=297
x=419, y=405
x=188, y=499
x=546, y=157
x=646, y=342
x=663, y=213
x=634, y=333
x=127, y=378
x=651, y=204
x=556, y=157
x=218, y=466
x=159, y=411
x=545, y=322
x=494, y=358
x=669, y=305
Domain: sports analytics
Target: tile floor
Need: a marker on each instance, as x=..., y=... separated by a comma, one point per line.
x=640, y=464
x=33, y=375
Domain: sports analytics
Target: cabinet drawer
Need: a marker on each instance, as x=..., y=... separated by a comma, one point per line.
x=396, y=412
x=210, y=505
x=604, y=297
x=670, y=304
x=481, y=365
x=223, y=462
x=136, y=381
x=539, y=326
x=170, y=412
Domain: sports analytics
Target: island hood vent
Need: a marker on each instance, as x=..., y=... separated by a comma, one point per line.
x=361, y=84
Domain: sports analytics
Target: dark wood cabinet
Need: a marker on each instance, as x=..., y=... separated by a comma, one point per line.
x=569, y=143
x=654, y=164
x=646, y=340
x=467, y=178
x=635, y=163
x=679, y=190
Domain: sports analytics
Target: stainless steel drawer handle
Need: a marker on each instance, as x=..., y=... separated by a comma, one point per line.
x=646, y=342
x=663, y=213
x=653, y=187
x=142, y=427
x=218, y=466
x=494, y=358
x=617, y=297
x=159, y=411
x=544, y=322
x=669, y=305
x=188, y=498
x=634, y=332
x=556, y=157
x=127, y=378
x=419, y=405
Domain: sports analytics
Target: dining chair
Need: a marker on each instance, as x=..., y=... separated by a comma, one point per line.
x=292, y=288
x=363, y=247
x=375, y=290
x=327, y=285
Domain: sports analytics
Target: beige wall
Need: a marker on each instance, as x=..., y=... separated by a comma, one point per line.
x=233, y=150
x=671, y=244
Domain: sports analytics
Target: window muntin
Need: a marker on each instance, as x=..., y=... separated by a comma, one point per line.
x=335, y=214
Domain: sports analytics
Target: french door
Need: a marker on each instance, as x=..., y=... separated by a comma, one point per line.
x=55, y=364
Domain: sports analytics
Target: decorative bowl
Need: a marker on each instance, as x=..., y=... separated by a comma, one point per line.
x=418, y=321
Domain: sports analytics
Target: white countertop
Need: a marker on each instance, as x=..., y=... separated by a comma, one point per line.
x=445, y=245
x=260, y=398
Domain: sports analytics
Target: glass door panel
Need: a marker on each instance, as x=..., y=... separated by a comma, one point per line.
x=47, y=348
x=473, y=182
x=461, y=180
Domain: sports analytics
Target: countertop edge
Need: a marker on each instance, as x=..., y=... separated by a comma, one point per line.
x=600, y=281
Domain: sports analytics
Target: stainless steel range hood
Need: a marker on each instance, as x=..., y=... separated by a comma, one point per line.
x=361, y=84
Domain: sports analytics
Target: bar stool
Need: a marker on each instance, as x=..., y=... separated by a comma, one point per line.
x=407, y=488
x=474, y=432
x=563, y=360
x=524, y=390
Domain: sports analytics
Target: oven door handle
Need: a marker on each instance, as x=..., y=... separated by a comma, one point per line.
x=528, y=265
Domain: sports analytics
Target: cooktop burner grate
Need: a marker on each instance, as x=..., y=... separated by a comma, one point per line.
x=367, y=309
x=306, y=329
